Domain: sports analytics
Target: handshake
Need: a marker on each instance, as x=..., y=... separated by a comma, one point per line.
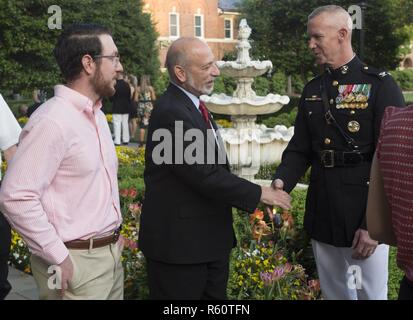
x=275, y=196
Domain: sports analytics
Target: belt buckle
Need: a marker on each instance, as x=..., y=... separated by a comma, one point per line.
x=353, y=157
x=327, y=158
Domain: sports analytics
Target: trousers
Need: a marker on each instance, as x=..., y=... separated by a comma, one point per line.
x=344, y=278
x=5, y=241
x=97, y=275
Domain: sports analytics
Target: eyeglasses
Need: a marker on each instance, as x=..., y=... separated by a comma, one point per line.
x=115, y=58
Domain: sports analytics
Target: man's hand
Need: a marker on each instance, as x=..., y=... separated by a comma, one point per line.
x=277, y=184
x=66, y=274
x=363, y=246
x=277, y=198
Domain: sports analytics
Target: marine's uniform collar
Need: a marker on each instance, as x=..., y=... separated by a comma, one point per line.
x=354, y=64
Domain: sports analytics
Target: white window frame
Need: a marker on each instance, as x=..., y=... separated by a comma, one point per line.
x=202, y=25
x=177, y=25
x=231, y=29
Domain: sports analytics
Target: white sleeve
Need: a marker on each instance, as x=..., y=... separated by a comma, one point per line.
x=9, y=127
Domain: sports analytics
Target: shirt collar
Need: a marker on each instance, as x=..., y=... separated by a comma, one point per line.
x=343, y=70
x=194, y=99
x=78, y=100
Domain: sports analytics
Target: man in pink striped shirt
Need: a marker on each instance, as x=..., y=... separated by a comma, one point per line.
x=61, y=191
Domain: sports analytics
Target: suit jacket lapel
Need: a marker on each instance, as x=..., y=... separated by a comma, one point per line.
x=187, y=102
x=199, y=120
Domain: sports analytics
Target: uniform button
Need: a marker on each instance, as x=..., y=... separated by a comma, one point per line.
x=352, y=112
x=335, y=83
x=368, y=182
x=327, y=141
x=331, y=101
x=366, y=68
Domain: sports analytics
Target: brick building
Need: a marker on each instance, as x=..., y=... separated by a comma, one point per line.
x=215, y=21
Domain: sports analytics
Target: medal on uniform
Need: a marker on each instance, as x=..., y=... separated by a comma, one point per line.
x=353, y=126
x=353, y=96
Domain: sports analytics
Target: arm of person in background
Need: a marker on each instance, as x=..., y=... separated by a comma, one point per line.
x=153, y=95
x=9, y=152
x=9, y=130
x=36, y=96
x=389, y=94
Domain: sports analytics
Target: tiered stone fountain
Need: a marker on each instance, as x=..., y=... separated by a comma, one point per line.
x=248, y=144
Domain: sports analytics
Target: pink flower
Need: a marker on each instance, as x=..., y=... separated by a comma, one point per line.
x=130, y=244
x=135, y=208
x=132, y=193
x=278, y=273
x=287, y=267
x=124, y=192
x=314, y=285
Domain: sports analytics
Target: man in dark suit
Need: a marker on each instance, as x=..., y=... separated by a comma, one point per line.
x=186, y=229
x=336, y=131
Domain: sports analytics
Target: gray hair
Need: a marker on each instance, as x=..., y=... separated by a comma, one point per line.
x=333, y=9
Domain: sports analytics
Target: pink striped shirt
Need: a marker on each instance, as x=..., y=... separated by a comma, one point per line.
x=395, y=155
x=61, y=185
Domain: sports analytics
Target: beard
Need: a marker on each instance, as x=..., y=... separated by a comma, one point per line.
x=103, y=88
x=204, y=89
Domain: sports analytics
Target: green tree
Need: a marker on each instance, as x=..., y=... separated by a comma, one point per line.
x=279, y=32
x=26, y=42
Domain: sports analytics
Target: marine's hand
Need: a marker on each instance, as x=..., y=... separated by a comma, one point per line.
x=278, y=184
x=363, y=246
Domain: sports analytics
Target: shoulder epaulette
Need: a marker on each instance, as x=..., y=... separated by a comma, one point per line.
x=315, y=78
x=375, y=72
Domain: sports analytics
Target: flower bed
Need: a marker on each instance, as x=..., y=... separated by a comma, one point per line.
x=273, y=259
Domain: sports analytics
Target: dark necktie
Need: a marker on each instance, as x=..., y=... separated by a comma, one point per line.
x=205, y=114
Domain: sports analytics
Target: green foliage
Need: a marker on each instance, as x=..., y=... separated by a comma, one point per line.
x=289, y=252
x=26, y=42
x=279, y=32
x=279, y=83
x=161, y=83
x=395, y=275
x=404, y=78
x=267, y=172
x=224, y=84
x=285, y=119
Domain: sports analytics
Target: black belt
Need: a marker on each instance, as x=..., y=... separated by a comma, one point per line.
x=333, y=158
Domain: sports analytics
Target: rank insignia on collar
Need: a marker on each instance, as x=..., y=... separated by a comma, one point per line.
x=313, y=98
x=353, y=96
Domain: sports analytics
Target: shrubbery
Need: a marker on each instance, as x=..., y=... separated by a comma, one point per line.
x=273, y=259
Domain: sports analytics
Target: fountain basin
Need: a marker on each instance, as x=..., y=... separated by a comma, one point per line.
x=248, y=149
x=250, y=69
x=223, y=104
